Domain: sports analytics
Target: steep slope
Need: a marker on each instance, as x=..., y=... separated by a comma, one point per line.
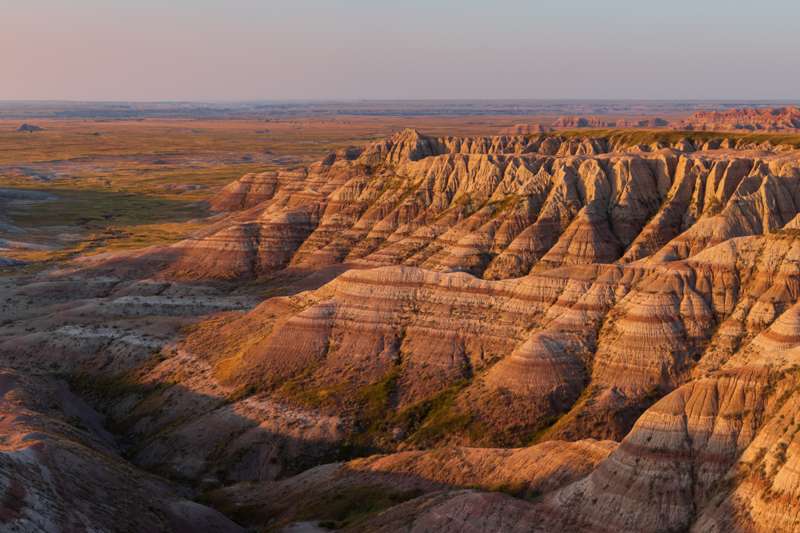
x=60, y=470
x=494, y=207
x=384, y=481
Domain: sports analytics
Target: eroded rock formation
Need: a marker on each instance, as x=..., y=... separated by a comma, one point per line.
x=536, y=332
x=786, y=119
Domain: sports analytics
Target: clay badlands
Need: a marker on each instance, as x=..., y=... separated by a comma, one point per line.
x=533, y=332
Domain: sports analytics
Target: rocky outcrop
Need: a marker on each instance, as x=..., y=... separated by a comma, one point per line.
x=525, y=129
x=29, y=128
x=526, y=472
x=785, y=119
x=574, y=122
x=754, y=119
x=494, y=207
x=620, y=294
x=571, y=122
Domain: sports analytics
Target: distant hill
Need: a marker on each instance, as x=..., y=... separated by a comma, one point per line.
x=28, y=110
x=29, y=128
x=751, y=119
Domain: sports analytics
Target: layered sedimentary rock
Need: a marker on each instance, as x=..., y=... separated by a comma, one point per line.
x=644, y=272
x=525, y=129
x=570, y=122
x=494, y=207
x=582, y=122
x=786, y=119
x=501, y=208
x=442, y=298
x=524, y=472
x=768, y=119
x=247, y=191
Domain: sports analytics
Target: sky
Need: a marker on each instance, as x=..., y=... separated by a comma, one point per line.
x=151, y=50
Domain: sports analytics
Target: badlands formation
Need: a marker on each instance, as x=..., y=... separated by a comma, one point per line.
x=776, y=119
x=535, y=332
x=786, y=119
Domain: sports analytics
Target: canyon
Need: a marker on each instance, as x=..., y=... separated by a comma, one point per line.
x=533, y=331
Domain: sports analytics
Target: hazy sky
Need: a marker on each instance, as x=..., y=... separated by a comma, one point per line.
x=317, y=49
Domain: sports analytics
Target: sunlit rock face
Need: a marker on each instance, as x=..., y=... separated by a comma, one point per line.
x=496, y=207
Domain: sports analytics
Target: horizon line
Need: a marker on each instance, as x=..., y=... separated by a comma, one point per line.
x=376, y=100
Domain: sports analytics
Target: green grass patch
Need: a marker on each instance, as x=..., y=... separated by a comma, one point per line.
x=332, y=508
x=423, y=424
x=348, y=506
x=99, y=209
x=430, y=421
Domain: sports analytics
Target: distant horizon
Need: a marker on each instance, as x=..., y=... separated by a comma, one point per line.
x=379, y=100
x=526, y=109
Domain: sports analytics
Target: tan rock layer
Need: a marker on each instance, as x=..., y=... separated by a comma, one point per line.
x=495, y=207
